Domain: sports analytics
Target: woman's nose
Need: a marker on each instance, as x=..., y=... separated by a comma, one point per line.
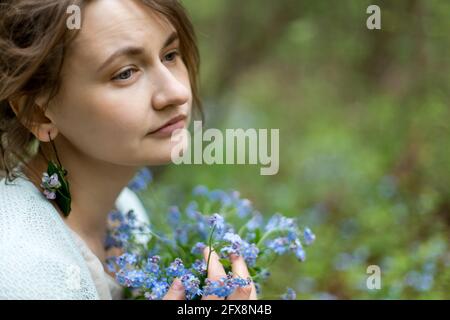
x=169, y=91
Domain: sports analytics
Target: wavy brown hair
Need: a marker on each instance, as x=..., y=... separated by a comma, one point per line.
x=33, y=41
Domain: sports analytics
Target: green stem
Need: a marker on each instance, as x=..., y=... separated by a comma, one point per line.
x=241, y=230
x=210, y=249
x=267, y=235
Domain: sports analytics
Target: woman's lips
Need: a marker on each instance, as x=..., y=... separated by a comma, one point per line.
x=168, y=129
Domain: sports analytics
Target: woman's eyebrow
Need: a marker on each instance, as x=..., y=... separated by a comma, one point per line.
x=135, y=51
x=170, y=39
x=125, y=51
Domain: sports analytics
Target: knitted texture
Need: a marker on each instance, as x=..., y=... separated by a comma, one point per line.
x=39, y=258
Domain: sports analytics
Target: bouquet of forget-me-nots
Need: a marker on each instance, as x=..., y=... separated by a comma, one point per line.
x=220, y=220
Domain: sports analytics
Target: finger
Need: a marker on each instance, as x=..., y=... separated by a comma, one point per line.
x=215, y=271
x=239, y=268
x=176, y=291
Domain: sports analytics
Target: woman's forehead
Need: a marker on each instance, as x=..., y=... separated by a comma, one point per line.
x=106, y=23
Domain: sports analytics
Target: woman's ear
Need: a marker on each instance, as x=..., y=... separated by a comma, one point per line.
x=41, y=126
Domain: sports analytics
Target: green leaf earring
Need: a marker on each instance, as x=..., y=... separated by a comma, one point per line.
x=55, y=185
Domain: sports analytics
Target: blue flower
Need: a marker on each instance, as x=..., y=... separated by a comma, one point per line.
x=240, y=282
x=264, y=274
x=176, y=268
x=234, y=246
x=199, y=266
x=192, y=210
x=232, y=237
x=174, y=217
x=110, y=264
x=258, y=288
x=273, y=222
x=126, y=259
x=297, y=247
x=141, y=180
x=131, y=278
x=250, y=253
x=280, y=222
x=224, y=286
x=219, y=288
x=217, y=221
x=198, y=248
x=218, y=195
x=279, y=245
x=159, y=290
x=255, y=222
x=152, y=265
x=308, y=236
x=289, y=295
x=200, y=191
x=181, y=235
x=243, y=207
x=192, y=285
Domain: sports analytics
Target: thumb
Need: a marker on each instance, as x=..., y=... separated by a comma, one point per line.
x=176, y=291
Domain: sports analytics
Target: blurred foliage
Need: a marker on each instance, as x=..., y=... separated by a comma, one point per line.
x=364, y=135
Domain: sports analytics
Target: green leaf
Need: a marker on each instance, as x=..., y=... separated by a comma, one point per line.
x=63, y=198
x=226, y=263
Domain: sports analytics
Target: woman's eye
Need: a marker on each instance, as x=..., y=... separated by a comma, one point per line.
x=171, y=56
x=125, y=75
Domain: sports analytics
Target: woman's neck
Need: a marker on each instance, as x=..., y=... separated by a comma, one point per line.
x=94, y=188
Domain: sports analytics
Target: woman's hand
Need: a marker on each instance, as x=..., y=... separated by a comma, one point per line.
x=176, y=291
x=239, y=268
x=216, y=272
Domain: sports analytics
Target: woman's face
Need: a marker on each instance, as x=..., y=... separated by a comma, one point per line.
x=122, y=78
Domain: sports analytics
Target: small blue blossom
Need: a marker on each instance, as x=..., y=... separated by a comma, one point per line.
x=279, y=245
x=200, y=191
x=255, y=222
x=181, y=235
x=131, y=278
x=198, y=248
x=308, y=236
x=192, y=285
x=126, y=259
x=264, y=274
x=289, y=295
x=159, y=290
x=225, y=286
x=217, y=221
x=192, y=210
x=141, y=180
x=174, y=217
x=176, y=268
x=298, y=250
x=152, y=265
x=250, y=253
x=243, y=208
x=199, y=266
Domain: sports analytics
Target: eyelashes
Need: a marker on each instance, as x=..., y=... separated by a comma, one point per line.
x=129, y=72
x=173, y=55
x=125, y=74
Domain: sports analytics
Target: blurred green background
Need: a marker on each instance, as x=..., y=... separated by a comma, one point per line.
x=364, y=136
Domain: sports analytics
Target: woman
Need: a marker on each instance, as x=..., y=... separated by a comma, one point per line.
x=100, y=101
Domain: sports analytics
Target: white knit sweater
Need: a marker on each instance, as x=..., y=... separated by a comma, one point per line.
x=40, y=257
